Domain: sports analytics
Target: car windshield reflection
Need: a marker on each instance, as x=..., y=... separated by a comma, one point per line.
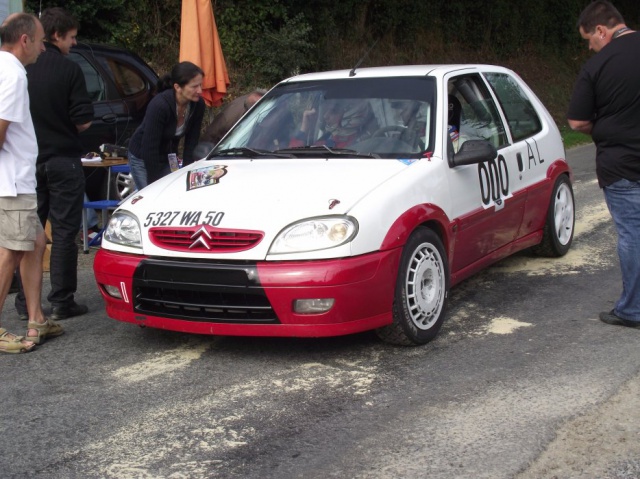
x=361, y=117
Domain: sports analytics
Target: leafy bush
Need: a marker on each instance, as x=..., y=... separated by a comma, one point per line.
x=264, y=42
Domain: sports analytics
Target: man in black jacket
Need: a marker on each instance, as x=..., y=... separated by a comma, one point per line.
x=61, y=108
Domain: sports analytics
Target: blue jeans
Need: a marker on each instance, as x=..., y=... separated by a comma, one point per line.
x=138, y=171
x=623, y=200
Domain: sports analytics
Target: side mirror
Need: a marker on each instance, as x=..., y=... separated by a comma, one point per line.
x=473, y=152
x=202, y=149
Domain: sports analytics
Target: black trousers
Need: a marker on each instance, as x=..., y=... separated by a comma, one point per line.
x=60, y=190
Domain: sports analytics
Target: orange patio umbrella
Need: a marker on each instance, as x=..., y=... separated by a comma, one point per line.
x=200, y=44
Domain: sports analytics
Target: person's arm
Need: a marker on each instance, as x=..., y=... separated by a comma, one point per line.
x=83, y=127
x=309, y=118
x=582, y=106
x=10, y=103
x=157, y=119
x=581, y=126
x=80, y=106
x=4, y=126
x=192, y=135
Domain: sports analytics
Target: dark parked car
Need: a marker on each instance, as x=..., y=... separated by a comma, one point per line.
x=121, y=85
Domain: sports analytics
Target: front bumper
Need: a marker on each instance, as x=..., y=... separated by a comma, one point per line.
x=248, y=298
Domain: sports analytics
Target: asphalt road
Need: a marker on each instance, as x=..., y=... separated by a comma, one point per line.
x=523, y=381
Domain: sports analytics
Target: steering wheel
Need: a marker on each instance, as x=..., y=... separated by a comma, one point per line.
x=386, y=129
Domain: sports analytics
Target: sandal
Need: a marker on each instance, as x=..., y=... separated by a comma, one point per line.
x=12, y=344
x=49, y=329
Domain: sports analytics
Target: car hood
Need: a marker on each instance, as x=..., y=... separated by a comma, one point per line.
x=255, y=195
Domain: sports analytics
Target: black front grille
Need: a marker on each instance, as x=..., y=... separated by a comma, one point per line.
x=201, y=291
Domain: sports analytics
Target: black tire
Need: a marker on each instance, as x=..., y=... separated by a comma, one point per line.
x=422, y=291
x=560, y=224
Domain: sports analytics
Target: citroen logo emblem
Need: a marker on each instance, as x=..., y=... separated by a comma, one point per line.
x=199, y=237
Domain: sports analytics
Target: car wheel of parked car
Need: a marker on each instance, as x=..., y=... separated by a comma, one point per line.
x=421, y=291
x=122, y=186
x=561, y=217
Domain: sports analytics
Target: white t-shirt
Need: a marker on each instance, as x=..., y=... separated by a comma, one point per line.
x=20, y=149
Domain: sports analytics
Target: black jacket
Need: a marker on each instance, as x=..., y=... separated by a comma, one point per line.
x=58, y=102
x=156, y=136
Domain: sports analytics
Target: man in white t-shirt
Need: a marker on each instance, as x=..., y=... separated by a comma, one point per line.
x=22, y=239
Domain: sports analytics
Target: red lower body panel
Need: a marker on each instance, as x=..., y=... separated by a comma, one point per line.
x=362, y=288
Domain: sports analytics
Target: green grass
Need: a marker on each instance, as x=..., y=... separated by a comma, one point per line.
x=573, y=138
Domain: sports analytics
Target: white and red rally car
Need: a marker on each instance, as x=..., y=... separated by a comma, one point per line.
x=342, y=202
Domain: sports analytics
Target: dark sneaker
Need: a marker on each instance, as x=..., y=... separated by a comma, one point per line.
x=64, y=312
x=15, y=286
x=611, y=318
x=23, y=316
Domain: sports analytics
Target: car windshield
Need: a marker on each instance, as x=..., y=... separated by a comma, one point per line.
x=368, y=117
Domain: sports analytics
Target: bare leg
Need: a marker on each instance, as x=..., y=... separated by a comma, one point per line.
x=9, y=261
x=31, y=273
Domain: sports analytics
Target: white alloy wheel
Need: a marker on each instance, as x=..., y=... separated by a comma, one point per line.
x=564, y=214
x=425, y=286
x=421, y=291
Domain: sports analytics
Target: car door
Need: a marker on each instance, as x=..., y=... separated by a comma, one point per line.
x=486, y=201
x=120, y=86
x=103, y=123
x=135, y=84
x=528, y=137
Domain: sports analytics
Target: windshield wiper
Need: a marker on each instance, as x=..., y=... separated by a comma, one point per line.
x=334, y=151
x=246, y=152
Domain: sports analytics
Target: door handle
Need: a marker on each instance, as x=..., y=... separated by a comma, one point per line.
x=109, y=118
x=520, y=163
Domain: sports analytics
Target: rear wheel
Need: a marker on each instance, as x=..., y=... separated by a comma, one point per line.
x=561, y=218
x=421, y=291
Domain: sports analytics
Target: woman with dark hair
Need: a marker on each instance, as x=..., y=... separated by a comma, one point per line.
x=175, y=112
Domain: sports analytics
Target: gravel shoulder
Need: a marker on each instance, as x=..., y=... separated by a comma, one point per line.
x=602, y=443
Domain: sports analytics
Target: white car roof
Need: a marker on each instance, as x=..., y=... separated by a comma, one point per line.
x=397, y=71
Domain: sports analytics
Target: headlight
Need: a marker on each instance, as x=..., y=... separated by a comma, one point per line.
x=124, y=229
x=314, y=234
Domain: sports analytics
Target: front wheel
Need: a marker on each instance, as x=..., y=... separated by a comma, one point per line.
x=561, y=219
x=421, y=291
x=122, y=186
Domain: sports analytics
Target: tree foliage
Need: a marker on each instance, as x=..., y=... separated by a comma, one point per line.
x=264, y=42
x=151, y=28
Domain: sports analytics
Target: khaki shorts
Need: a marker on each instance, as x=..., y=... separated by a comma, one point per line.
x=19, y=222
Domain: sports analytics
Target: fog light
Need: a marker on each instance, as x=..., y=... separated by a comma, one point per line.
x=112, y=291
x=313, y=306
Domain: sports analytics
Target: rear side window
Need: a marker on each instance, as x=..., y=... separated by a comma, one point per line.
x=521, y=115
x=127, y=79
x=95, y=83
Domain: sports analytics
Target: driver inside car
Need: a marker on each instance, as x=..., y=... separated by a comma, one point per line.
x=343, y=123
x=410, y=123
